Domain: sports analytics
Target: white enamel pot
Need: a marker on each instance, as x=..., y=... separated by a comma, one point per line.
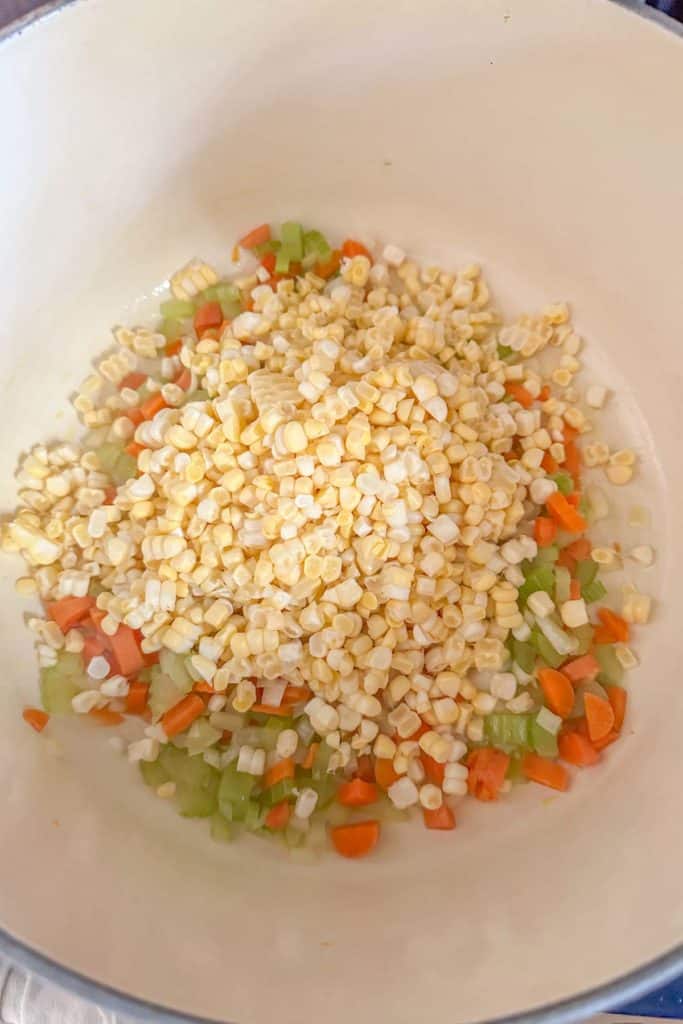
x=542, y=139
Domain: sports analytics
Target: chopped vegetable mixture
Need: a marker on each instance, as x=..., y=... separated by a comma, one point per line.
x=326, y=541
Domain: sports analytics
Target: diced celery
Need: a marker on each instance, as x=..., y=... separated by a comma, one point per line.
x=282, y=790
x=610, y=669
x=153, y=773
x=586, y=571
x=177, y=309
x=95, y=588
x=253, y=816
x=256, y=736
x=61, y=682
x=565, y=484
x=321, y=760
x=172, y=329
x=226, y=291
x=505, y=353
x=315, y=244
x=326, y=788
x=543, y=742
x=234, y=793
x=230, y=309
x=197, y=396
x=278, y=724
x=222, y=830
x=505, y=729
x=515, y=773
x=539, y=577
x=201, y=736
x=272, y=245
x=584, y=637
x=548, y=555
x=164, y=693
x=293, y=240
x=592, y=592
x=562, y=584
x=196, y=782
x=175, y=666
x=282, y=261
x=590, y=686
x=524, y=654
x=545, y=649
x=126, y=466
x=562, y=641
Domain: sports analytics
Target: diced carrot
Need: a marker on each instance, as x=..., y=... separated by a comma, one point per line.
x=442, y=818
x=602, y=635
x=580, y=549
x=618, y=699
x=93, y=646
x=545, y=531
x=173, y=347
x=283, y=769
x=610, y=738
x=565, y=514
x=103, y=716
x=579, y=669
x=577, y=749
x=434, y=771
x=126, y=651
x=385, y=775
x=544, y=393
x=109, y=495
x=202, y=687
x=136, y=701
x=599, y=716
x=557, y=690
x=226, y=736
x=570, y=433
x=257, y=236
x=572, y=460
x=544, y=771
x=351, y=248
x=184, y=379
x=329, y=266
x=574, y=590
x=135, y=415
x=278, y=817
x=519, y=393
x=549, y=464
x=152, y=405
x=357, y=793
x=67, y=612
x=36, y=718
x=420, y=731
x=181, y=716
x=566, y=560
x=574, y=499
x=133, y=380
x=487, y=770
x=295, y=694
x=355, y=840
x=281, y=711
x=134, y=449
x=617, y=626
x=268, y=262
x=365, y=770
x=208, y=315
x=308, y=760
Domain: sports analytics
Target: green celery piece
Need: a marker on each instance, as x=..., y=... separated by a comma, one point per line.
x=227, y=292
x=95, y=588
x=272, y=245
x=197, y=396
x=540, y=577
x=108, y=455
x=545, y=649
x=504, y=729
x=562, y=584
x=230, y=308
x=61, y=682
x=317, y=246
x=547, y=556
x=565, y=484
x=171, y=328
x=234, y=793
x=196, y=782
x=586, y=571
x=282, y=261
x=126, y=467
x=177, y=309
x=326, y=787
x=222, y=830
x=592, y=592
x=153, y=773
x=524, y=654
x=278, y=724
x=584, y=635
x=282, y=790
x=515, y=773
x=321, y=761
x=293, y=240
x=253, y=816
x=505, y=352
x=610, y=669
x=543, y=742
x=174, y=665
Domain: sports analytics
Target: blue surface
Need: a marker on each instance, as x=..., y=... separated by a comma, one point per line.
x=664, y=1002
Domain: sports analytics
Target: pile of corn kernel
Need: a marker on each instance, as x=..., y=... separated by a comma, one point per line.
x=339, y=513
